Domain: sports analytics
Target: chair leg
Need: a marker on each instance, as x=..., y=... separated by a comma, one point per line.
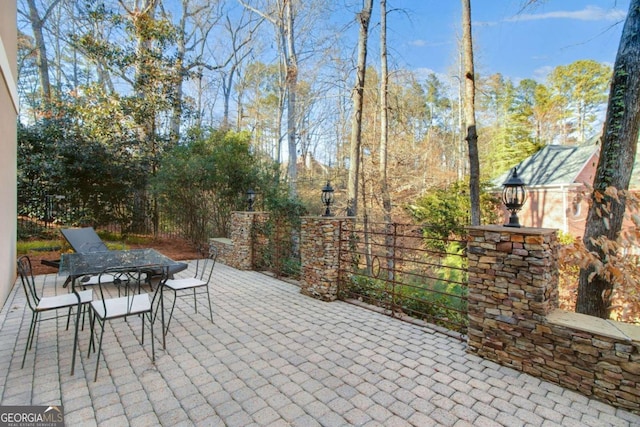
x=95, y=377
x=175, y=297
x=209, y=300
x=153, y=346
x=32, y=330
x=27, y=346
x=92, y=323
x=69, y=317
x=195, y=302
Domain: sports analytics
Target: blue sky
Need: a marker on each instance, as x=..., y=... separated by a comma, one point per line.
x=519, y=44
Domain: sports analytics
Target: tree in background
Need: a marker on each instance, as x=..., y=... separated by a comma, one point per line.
x=203, y=180
x=445, y=212
x=579, y=89
x=364, y=17
x=617, y=155
x=507, y=112
x=470, y=113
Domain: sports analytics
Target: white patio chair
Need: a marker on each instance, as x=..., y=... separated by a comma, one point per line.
x=40, y=304
x=198, y=284
x=132, y=304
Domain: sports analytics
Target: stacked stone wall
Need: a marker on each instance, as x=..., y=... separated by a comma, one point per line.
x=237, y=251
x=320, y=256
x=514, y=319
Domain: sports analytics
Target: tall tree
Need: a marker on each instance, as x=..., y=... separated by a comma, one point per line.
x=364, y=17
x=470, y=114
x=282, y=15
x=384, y=112
x=617, y=155
x=581, y=88
x=37, y=26
x=384, y=135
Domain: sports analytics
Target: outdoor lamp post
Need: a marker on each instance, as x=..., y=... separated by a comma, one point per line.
x=251, y=197
x=327, y=198
x=514, y=195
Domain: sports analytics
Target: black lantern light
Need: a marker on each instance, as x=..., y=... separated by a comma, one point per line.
x=251, y=197
x=327, y=198
x=514, y=195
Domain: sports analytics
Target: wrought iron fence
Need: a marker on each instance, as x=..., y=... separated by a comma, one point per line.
x=276, y=246
x=398, y=268
x=55, y=211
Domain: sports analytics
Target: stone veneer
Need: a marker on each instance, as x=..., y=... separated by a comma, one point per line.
x=237, y=252
x=514, y=319
x=320, y=256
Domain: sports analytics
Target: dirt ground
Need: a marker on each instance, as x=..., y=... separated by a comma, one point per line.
x=176, y=249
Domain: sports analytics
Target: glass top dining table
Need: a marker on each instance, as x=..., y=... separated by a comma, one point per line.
x=90, y=263
x=76, y=265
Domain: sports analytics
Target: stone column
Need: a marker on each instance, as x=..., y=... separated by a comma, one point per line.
x=320, y=256
x=241, y=239
x=513, y=286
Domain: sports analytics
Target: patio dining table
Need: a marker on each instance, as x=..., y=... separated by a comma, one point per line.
x=77, y=265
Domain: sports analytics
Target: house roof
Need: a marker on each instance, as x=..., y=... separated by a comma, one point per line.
x=554, y=165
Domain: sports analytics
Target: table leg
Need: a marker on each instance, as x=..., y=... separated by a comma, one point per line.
x=77, y=325
x=164, y=334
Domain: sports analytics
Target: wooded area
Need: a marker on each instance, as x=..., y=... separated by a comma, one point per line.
x=133, y=106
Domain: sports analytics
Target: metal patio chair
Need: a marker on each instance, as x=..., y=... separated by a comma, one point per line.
x=40, y=304
x=198, y=284
x=132, y=304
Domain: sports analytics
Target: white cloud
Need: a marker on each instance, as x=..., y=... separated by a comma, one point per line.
x=540, y=74
x=424, y=43
x=589, y=13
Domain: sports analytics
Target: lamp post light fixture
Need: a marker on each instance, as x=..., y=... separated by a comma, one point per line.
x=514, y=195
x=251, y=197
x=327, y=198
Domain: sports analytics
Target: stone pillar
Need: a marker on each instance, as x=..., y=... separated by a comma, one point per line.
x=320, y=256
x=513, y=286
x=241, y=256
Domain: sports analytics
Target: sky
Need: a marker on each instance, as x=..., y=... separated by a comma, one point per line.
x=508, y=40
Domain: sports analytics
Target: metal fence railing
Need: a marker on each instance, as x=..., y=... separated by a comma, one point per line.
x=276, y=246
x=37, y=217
x=397, y=268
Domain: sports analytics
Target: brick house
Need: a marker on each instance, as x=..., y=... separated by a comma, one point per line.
x=555, y=177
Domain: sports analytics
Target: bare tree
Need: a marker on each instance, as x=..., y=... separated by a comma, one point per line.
x=241, y=34
x=384, y=135
x=364, y=17
x=189, y=38
x=282, y=16
x=37, y=25
x=470, y=114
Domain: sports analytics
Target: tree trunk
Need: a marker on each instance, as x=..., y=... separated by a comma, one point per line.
x=470, y=113
x=37, y=23
x=617, y=154
x=384, y=134
x=358, y=100
x=292, y=89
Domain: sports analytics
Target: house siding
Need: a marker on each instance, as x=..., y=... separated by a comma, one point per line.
x=8, y=168
x=562, y=208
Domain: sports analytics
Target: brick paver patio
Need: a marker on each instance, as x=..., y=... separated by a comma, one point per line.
x=274, y=357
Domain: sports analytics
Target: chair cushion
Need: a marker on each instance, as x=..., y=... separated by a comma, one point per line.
x=65, y=300
x=123, y=306
x=93, y=280
x=179, y=284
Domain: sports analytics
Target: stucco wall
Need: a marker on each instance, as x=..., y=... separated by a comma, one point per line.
x=8, y=114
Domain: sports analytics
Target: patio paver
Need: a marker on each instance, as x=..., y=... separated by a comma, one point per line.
x=275, y=357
